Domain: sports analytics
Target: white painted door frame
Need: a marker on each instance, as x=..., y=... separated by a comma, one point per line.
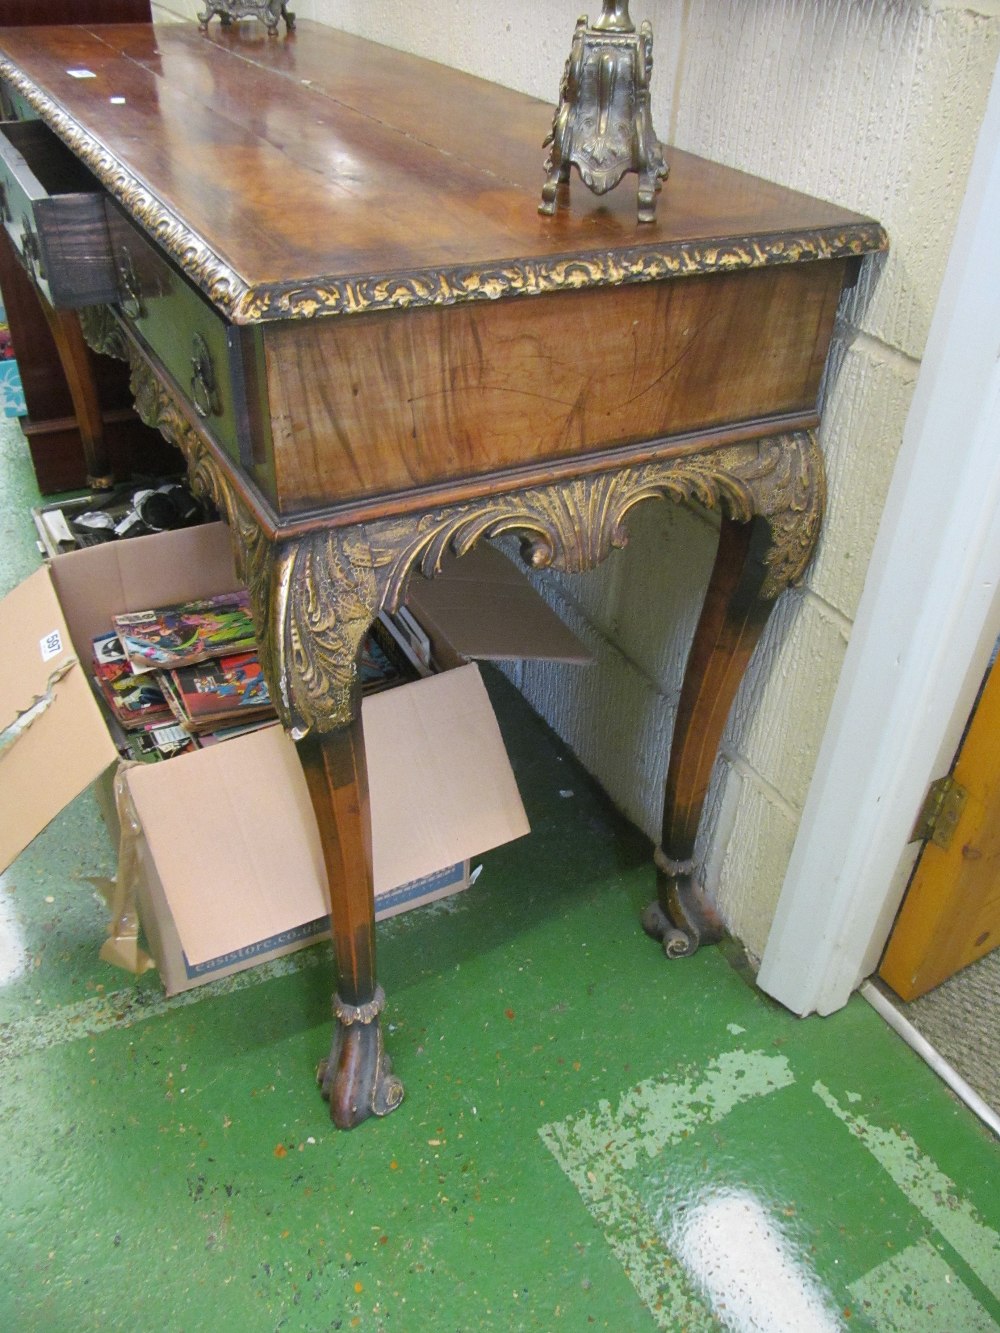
x=927, y=621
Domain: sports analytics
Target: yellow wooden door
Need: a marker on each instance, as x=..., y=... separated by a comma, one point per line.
x=951, y=913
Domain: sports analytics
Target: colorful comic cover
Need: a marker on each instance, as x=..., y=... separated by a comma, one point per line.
x=136, y=701
x=170, y=637
x=109, y=658
x=224, y=689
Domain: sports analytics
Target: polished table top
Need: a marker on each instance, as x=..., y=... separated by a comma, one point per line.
x=379, y=179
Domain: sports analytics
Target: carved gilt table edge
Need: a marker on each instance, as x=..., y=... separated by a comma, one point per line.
x=324, y=296
x=549, y=275
x=315, y=595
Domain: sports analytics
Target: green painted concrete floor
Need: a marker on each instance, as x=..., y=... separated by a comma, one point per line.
x=591, y=1138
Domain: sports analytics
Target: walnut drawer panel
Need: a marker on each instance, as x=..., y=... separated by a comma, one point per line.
x=53, y=211
x=376, y=404
x=212, y=363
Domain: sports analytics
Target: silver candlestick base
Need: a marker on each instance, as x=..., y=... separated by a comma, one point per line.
x=603, y=125
x=270, y=12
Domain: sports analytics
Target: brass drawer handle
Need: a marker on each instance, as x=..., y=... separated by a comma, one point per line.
x=130, y=299
x=204, y=389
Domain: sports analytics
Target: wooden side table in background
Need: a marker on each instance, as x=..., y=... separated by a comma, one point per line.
x=51, y=425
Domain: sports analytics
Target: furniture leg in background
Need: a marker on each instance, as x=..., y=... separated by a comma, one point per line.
x=52, y=428
x=54, y=438
x=77, y=366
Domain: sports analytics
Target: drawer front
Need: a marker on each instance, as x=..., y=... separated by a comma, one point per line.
x=53, y=212
x=189, y=338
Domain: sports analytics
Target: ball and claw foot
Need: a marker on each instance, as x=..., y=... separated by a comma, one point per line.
x=357, y=1078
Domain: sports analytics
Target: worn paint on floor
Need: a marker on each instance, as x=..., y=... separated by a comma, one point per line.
x=714, y=1232
x=585, y=1130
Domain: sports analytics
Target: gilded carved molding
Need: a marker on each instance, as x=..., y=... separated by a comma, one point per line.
x=573, y=525
x=102, y=332
x=323, y=295
x=315, y=595
x=223, y=287
x=313, y=599
x=538, y=277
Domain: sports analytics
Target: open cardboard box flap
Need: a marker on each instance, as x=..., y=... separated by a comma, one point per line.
x=235, y=843
x=46, y=627
x=100, y=581
x=53, y=741
x=481, y=606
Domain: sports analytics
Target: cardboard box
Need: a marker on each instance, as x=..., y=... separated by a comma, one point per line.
x=219, y=847
x=482, y=608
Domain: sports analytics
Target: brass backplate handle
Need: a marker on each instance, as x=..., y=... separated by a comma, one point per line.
x=131, y=293
x=204, y=392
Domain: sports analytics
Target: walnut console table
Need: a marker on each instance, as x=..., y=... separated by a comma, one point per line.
x=324, y=262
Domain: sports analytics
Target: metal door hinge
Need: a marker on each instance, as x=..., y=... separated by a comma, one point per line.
x=940, y=812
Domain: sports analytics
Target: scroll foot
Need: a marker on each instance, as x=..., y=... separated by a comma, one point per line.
x=676, y=943
x=357, y=1077
x=650, y=183
x=555, y=191
x=681, y=917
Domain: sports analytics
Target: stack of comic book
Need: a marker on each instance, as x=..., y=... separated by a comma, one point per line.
x=185, y=676
x=219, y=692
x=137, y=702
x=176, y=677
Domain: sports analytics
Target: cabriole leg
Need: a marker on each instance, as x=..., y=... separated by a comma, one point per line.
x=357, y=1077
x=732, y=620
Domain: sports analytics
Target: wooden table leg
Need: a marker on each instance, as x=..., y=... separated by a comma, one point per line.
x=357, y=1077
x=732, y=620
x=74, y=356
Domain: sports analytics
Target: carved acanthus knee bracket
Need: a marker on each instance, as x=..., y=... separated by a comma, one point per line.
x=313, y=597
x=316, y=599
x=316, y=594
x=102, y=332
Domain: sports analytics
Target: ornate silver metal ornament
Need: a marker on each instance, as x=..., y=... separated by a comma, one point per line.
x=270, y=12
x=603, y=124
